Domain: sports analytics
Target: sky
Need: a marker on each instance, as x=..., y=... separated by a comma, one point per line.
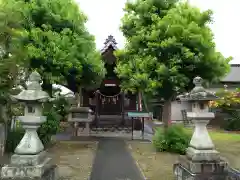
x=104, y=19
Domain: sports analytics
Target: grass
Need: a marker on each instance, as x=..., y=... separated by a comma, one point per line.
x=160, y=164
x=220, y=135
x=74, y=159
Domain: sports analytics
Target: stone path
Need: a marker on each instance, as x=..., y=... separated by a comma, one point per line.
x=114, y=162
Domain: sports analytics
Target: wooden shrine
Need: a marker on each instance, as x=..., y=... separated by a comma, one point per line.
x=108, y=102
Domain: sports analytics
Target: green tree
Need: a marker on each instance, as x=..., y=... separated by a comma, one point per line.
x=168, y=44
x=55, y=41
x=9, y=47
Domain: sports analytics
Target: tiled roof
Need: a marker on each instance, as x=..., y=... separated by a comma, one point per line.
x=110, y=42
x=233, y=75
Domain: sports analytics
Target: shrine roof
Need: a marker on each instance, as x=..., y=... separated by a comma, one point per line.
x=233, y=75
x=109, y=42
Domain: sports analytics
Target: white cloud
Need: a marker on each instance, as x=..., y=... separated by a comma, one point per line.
x=104, y=19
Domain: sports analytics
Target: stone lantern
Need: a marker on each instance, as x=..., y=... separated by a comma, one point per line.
x=201, y=156
x=29, y=160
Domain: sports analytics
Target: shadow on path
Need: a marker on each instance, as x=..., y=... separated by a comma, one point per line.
x=113, y=161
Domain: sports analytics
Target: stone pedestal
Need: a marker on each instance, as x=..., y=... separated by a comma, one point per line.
x=202, y=161
x=187, y=169
x=81, y=115
x=201, y=147
x=202, y=155
x=30, y=167
x=85, y=131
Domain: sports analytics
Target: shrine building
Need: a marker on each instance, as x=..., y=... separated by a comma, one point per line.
x=109, y=103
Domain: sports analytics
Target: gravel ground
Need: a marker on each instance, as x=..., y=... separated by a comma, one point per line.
x=74, y=159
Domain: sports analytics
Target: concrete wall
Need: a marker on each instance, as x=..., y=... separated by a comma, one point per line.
x=176, y=107
x=176, y=110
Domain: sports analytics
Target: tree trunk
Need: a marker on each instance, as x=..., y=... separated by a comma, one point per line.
x=47, y=86
x=79, y=97
x=139, y=101
x=123, y=108
x=145, y=103
x=166, y=115
x=138, y=122
x=5, y=126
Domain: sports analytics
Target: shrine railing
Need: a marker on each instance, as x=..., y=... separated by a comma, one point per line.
x=181, y=173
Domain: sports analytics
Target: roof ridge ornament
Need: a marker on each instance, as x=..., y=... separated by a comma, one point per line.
x=110, y=41
x=110, y=38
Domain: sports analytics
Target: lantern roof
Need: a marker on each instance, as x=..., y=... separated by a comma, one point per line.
x=198, y=93
x=34, y=90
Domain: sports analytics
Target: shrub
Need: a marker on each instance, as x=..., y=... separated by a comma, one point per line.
x=61, y=106
x=229, y=104
x=13, y=139
x=232, y=123
x=50, y=127
x=175, y=139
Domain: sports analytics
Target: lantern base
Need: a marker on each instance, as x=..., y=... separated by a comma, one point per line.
x=187, y=169
x=26, y=167
x=32, y=160
x=202, y=155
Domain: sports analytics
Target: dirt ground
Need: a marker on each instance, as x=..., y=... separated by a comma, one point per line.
x=153, y=165
x=74, y=159
x=156, y=165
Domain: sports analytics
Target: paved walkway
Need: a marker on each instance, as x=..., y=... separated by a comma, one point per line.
x=114, y=162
